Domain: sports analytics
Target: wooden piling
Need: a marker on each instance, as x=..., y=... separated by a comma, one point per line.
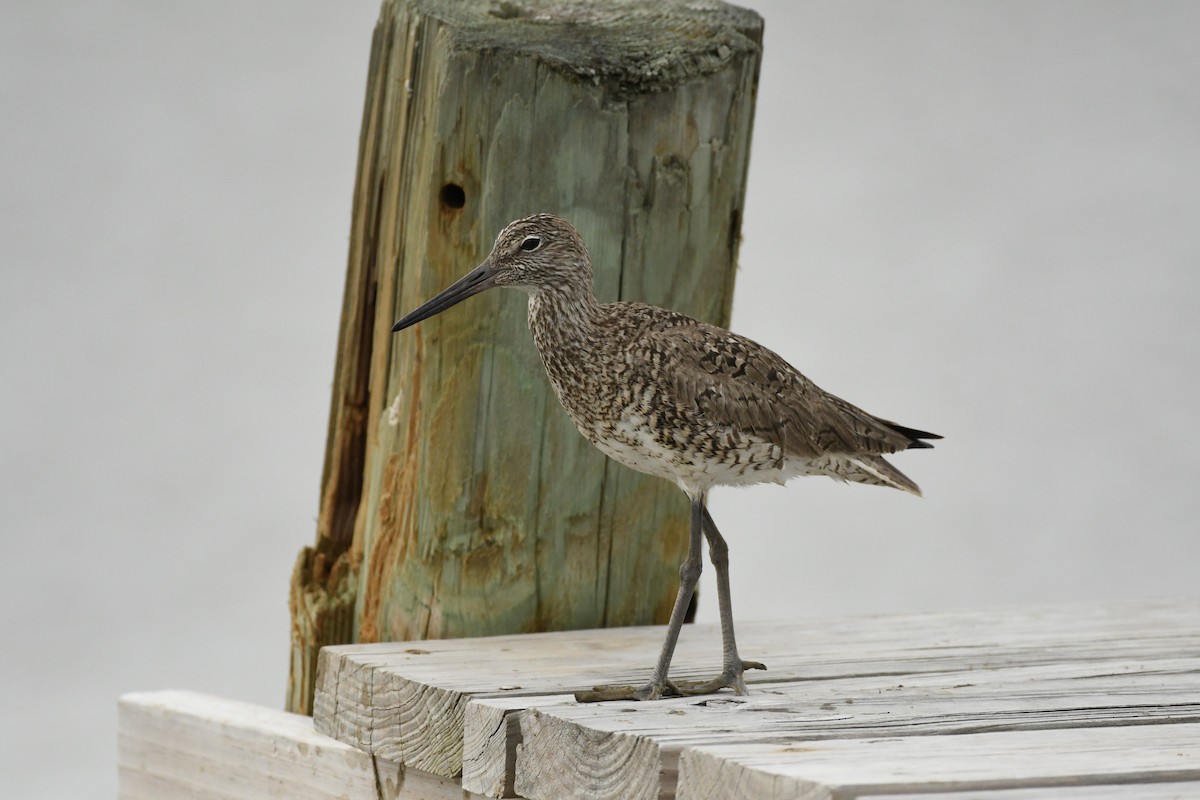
x=457, y=498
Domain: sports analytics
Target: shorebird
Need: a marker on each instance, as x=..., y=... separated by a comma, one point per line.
x=681, y=399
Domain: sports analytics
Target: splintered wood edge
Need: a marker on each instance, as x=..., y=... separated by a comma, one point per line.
x=549, y=758
x=491, y=734
x=966, y=763
x=490, y=738
x=185, y=744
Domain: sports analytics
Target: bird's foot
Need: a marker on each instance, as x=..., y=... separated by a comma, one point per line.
x=730, y=678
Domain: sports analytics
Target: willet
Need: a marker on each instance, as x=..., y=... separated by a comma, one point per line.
x=684, y=400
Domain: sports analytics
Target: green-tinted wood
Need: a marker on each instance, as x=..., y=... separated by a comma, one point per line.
x=478, y=508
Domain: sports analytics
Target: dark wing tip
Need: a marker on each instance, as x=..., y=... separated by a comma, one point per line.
x=915, y=436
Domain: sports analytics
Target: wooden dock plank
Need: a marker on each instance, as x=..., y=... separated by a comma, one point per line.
x=1104, y=693
x=412, y=702
x=1008, y=704
x=188, y=746
x=855, y=768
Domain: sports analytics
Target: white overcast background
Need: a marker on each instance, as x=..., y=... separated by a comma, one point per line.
x=982, y=219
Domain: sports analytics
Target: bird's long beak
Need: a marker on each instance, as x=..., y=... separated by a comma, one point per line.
x=477, y=280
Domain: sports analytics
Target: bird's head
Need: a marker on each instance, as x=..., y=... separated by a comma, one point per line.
x=538, y=253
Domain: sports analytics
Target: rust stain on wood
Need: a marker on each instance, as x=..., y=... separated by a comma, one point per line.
x=395, y=536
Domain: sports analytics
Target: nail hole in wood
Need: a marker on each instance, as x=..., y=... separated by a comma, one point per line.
x=453, y=196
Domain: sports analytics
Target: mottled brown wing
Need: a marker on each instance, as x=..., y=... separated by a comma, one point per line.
x=739, y=383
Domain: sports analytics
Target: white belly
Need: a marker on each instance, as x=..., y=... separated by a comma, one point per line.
x=632, y=443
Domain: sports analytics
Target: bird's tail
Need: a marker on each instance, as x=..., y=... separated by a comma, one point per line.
x=915, y=437
x=876, y=471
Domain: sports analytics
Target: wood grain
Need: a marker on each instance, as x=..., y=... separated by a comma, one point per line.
x=852, y=768
x=189, y=746
x=499, y=708
x=457, y=498
x=1100, y=693
x=1007, y=704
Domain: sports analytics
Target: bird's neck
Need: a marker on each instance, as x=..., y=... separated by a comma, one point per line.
x=563, y=316
x=565, y=323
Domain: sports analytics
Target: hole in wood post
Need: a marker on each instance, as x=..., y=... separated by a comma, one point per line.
x=453, y=196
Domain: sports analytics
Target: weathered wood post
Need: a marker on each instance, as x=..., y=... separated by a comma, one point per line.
x=457, y=499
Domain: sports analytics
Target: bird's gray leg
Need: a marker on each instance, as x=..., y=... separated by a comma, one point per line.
x=689, y=574
x=732, y=666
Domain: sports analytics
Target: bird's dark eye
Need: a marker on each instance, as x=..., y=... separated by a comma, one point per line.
x=531, y=243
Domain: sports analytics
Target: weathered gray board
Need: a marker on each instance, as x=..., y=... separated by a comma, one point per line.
x=852, y=768
x=498, y=710
x=189, y=746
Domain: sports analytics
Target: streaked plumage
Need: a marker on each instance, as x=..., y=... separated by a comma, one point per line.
x=681, y=399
